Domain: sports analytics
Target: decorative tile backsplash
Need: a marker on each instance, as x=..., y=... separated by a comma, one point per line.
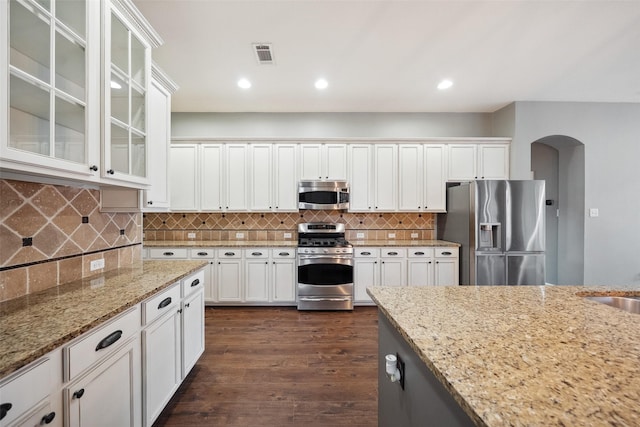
x=49, y=234
x=273, y=226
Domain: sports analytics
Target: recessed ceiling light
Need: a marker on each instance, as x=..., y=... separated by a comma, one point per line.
x=321, y=84
x=244, y=83
x=445, y=84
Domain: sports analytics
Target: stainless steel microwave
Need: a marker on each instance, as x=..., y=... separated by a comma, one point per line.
x=323, y=195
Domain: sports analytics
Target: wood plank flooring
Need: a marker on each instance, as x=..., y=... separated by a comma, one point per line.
x=276, y=366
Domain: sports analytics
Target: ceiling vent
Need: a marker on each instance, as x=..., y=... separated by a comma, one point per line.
x=264, y=53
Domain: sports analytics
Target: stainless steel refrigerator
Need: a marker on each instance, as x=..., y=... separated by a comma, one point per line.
x=501, y=228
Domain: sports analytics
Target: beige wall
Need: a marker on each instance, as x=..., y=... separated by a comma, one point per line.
x=62, y=245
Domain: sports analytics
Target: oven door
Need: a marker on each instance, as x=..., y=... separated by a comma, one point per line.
x=325, y=276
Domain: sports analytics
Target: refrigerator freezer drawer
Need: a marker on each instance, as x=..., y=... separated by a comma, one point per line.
x=525, y=269
x=490, y=270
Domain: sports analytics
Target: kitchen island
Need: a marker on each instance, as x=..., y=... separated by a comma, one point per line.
x=514, y=356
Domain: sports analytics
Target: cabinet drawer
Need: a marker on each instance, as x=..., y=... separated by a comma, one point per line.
x=99, y=342
x=192, y=283
x=393, y=253
x=168, y=253
x=24, y=390
x=283, y=253
x=446, y=252
x=420, y=252
x=256, y=253
x=197, y=253
x=161, y=303
x=229, y=253
x=366, y=252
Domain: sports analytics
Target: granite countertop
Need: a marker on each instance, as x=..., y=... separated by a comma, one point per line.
x=219, y=243
x=525, y=355
x=33, y=325
x=442, y=243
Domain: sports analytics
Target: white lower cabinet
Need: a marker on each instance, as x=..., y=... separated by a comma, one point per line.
x=229, y=275
x=402, y=266
x=192, y=321
x=256, y=279
x=283, y=276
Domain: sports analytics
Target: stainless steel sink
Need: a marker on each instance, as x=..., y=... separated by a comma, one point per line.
x=629, y=304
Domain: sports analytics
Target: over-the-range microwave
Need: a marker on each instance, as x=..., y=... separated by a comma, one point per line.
x=323, y=195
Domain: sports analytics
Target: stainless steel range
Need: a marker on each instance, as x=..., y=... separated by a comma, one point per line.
x=325, y=267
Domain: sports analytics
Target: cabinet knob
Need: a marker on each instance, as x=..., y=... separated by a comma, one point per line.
x=48, y=418
x=78, y=394
x=93, y=168
x=187, y=304
x=150, y=202
x=110, y=171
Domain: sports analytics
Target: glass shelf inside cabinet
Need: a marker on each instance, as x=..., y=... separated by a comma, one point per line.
x=29, y=41
x=29, y=117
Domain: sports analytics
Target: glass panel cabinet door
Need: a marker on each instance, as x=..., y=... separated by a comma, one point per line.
x=126, y=147
x=47, y=83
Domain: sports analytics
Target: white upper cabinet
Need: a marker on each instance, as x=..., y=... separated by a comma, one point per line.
x=411, y=177
x=468, y=162
x=50, y=105
x=184, y=179
x=237, y=180
x=285, y=187
x=361, y=177
x=386, y=177
x=210, y=179
x=260, y=171
x=323, y=161
x=157, y=196
x=435, y=178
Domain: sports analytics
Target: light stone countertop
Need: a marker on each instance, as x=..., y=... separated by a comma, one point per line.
x=410, y=243
x=525, y=355
x=33, y=325
x=219, y=243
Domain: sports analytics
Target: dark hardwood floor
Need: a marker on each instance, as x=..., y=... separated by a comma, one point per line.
x=267, y=366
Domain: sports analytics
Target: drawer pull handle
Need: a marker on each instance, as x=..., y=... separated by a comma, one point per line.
x=284, y=254
x=4, y=409
x=418, y=253
x=202, y=254
x=366, y=253
x=256, y=253
x=165, y=302
x=195, y=283
x=109, y=339
x=446, y=253
x=48, y=418
x=167, y=253
x=78, y=394
x=393, y=253
x=229, y=253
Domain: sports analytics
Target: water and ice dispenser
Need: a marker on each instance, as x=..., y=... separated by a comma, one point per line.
x=489, y=236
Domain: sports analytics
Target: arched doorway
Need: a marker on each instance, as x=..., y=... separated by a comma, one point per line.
x=559, y=160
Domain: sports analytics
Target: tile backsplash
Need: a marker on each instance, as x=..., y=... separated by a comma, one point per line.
x=276, y=226
x=49, y=234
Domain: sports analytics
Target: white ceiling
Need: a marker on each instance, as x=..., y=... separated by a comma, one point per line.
x=389, y=55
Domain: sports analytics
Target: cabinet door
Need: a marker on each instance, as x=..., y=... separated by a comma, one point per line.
x=257, y=276
x=462, y=162
x=260, y=172
x=157, y=196
x=285, y=187
x=236, y=177
x=386, y=177
x=161, y=367
x=192, y=330
x=365, y=274
x=284, y=279
x=310, y=161
x=229, y=277
x=393, y=272
x=183, y=177
x=420, y=272
x=361, y=177
x=127, y=57
x=446, y=272
x=50, y=83
x=335, y=161
x=435, y=179
x=494, y=161
x=411, y=179
x=109, y=394
x=211, y=168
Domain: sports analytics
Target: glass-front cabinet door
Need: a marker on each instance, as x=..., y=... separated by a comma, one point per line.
x=128, y=68
x=46, y=86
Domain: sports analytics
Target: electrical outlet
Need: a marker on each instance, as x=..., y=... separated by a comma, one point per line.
x=191, y=235
x=414, y=235
x=287, y=235
x=97, y=264
x=359, y=235
x=593, y=212
x=391, y=235
x=239, y=235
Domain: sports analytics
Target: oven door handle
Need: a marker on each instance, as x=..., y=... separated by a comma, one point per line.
x=332, y=299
